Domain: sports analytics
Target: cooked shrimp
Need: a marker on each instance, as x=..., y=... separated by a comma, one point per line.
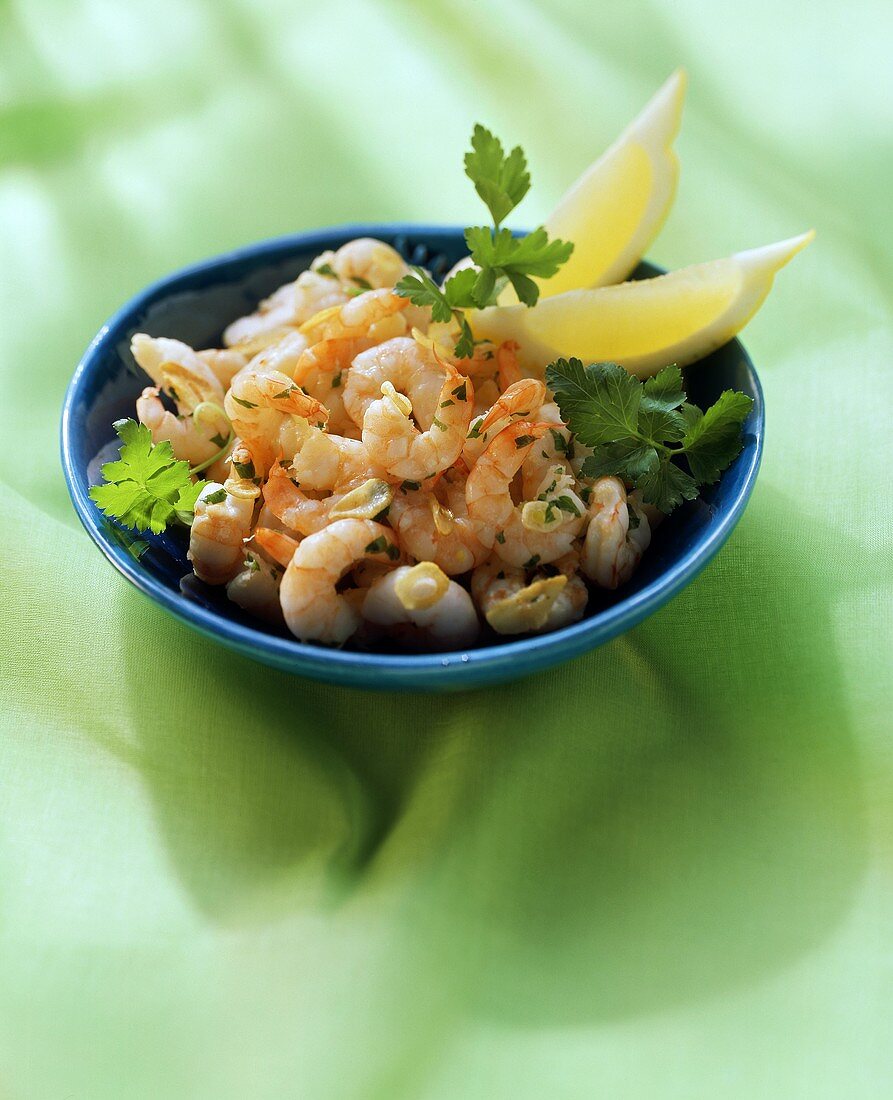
x=438, y=530
x=511, y=605
x=359, y=316
x=292, y=506
x=325, y=461
x=314, y=609
x=419, y=606
x=255, y=588
x=613, y=547
x=254, y=345
x=216, y=538
x=550, y=491
x=178, y=370
x=224, y=362
x=282, y=355
x=266, y=518
x=271, y=414
x=196, y=438
x=322, y=371
x=521, y=401
x=486, y=394
x=366, y=262
x=498, y=521
x=396, y=443
x=365, y=573
x=555, y=450
x=408, y=365
x=508, y=368
x=290, y=305
x=278, y=546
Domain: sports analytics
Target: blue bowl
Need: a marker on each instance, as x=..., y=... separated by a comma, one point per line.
x=195, y=305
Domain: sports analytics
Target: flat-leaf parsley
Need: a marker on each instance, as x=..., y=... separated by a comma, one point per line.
x=639, y=431
x=498, y=256
x=146, y=486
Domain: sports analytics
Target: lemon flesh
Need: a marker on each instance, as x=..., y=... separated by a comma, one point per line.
x=644, y=325
x=615, y=209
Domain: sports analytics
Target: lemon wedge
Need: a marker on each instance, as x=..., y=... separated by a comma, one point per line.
x=615, y=209
x=675, y=318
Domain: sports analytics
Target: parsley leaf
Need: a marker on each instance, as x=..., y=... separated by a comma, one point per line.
x=446, y=303
x=421, y=290
x=499, y=257
x=599, y=403
x=147, y=486
x=666, y=485
x=639, y=430
x=712, y=437
x=500, y=180
x=661, y=397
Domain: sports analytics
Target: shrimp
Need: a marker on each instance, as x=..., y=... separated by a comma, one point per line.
x=431, y=531
x=486, y=394
x=367, y=314
x=512, y=606
x=216, y=538
x=271, y=414
x=613, y=546
x=365, y=573
x=421, y=607
x=371, y=265
x=291, y=305
x=224, y=362
x=278, y=546
x=366, y=262
x=520, y=401
x=507, y=363
x=397, y=444
x=328, y=462
x=498, y=521
x=408, y=365
x=322, y=371
x=197, y=438
x=174, y=367
x=292, y=506
x=555, y=449
x=282, y=355
x=314, y=609
x=255, y=588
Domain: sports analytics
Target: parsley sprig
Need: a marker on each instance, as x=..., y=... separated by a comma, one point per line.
x=639, y=431
x=146, y=486
x=499, y=257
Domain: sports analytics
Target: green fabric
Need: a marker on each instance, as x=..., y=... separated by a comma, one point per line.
x=662, y=870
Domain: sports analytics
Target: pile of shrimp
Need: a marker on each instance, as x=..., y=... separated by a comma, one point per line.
x=367, y=485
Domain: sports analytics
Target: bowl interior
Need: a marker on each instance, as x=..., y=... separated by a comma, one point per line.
x=195, y=306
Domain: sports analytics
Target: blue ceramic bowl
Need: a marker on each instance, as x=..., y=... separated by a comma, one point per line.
x=195, y=305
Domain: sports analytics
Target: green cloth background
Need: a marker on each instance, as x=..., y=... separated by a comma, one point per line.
x=662, y=870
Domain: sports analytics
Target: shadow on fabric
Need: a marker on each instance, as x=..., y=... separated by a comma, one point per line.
x=673, y=815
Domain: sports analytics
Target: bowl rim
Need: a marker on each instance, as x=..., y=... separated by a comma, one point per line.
x=370, y=669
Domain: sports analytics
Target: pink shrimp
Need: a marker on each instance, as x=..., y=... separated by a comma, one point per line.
x=499, y=522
